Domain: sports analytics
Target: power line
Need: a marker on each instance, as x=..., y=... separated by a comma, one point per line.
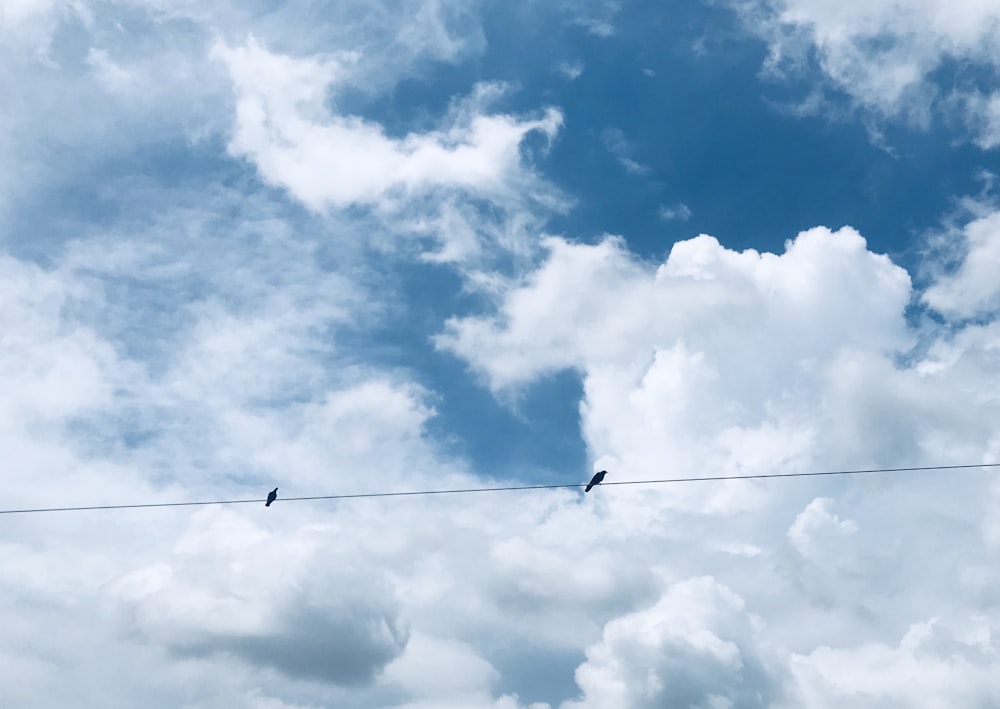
x=458, y=491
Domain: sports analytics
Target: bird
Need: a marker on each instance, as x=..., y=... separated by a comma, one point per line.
x=271, y=497
x=596, y=480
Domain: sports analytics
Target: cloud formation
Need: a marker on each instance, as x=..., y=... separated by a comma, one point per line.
x=330, y=161
x=694, y=648
x=338, y=161
x=721, y=362
x=971, y=289
x=642, y=313
x=194, y=279
x=896, y=62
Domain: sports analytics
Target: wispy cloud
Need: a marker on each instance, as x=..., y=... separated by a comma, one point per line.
x=330, y=161
x=571, y=70
x=341, y=160
x=598, y=28
x=616, y=143
x=890, y=62
x=675, y=212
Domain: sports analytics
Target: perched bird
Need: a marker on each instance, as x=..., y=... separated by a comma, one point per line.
x=271, y=497
x=596, y=480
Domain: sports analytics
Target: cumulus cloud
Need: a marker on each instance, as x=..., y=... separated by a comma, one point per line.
x=818, y=533
x=695, y=648
x=723, y=595
x=190, y=338
x=889, y=59
x=227, y=590
x=221, y=587
x=323, y=602
x=722, y=362
x=639, y=313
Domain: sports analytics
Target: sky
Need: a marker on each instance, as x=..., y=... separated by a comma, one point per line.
x=402, y=245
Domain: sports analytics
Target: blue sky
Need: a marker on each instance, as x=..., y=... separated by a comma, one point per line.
x=415, y=244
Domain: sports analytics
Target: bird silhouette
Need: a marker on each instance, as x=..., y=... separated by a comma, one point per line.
x=596, y=480
x=271, y=497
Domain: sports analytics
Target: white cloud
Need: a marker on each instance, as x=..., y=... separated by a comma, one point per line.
x=571, y=70
x=422, y=182
x=434, y=29
x=680, y=212
x=599, y=28
x=826, y=288
x=930, y=667
x=104, y=91
x=239, y=397
x=817, y=532
x=596, y=17
x=973, y=289
x=695, y=648
x=112, y=76
x=27, y=25
x=54, y=369
x=192, y=339
x=694, y=593
x=17, y=11
x=229, y=589
x=717, y=362
x=151, y=64
x=217, y=586
x=983, y=113
x=885, y=56
x=184, y=340
x=417, y=669
x=329, y=160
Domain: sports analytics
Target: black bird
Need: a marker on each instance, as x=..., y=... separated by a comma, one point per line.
x=271, y=497
x=596, y=480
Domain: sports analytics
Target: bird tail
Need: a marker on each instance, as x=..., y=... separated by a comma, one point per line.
x=267, y=504
x=589, y=485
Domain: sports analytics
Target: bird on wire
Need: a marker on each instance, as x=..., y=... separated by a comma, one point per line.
x=271, y=497
x=596, y=480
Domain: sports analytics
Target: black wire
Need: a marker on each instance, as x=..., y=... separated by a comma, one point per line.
x=411, y=493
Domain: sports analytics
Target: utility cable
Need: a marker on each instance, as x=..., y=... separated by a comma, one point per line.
x=458, y=491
